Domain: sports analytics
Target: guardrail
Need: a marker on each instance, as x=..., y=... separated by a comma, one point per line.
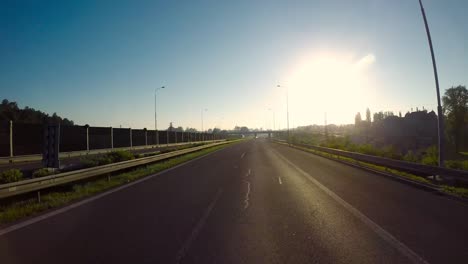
x=411, y=167
x=37, y=184
x=38, y=157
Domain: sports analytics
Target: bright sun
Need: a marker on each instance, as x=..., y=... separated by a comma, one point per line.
x=332, y=83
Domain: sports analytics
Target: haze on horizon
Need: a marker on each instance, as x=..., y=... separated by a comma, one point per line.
x=98, y=63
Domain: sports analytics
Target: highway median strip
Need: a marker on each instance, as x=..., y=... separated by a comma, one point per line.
x=74, y=192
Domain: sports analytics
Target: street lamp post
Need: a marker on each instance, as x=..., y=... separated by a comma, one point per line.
x=156, y=117
x=439, y=107
x=287, y=109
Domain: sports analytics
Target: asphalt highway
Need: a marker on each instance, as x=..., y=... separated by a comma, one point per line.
x=253, y=202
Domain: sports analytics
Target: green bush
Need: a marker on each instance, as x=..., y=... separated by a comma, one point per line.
x=428, y=160
x=89, y=162
x=11, y=175
x=42, y=172
x=457, y=164
x=95, y=161
x=120, y=155
x=104, y=160
x=411, y=157
x=338, y=143
x=391, y=152
x=431, y=156
x=112, y=157
x=369, y=150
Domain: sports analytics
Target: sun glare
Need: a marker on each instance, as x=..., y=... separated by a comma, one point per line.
x=331, y=83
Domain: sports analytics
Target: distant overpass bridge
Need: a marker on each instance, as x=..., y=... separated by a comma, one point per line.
x=270, y=133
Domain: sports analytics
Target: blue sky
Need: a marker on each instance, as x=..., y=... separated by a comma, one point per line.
x=98, y=62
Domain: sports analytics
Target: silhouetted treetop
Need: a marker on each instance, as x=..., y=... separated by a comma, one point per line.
x=11, y=111
x=455, y=106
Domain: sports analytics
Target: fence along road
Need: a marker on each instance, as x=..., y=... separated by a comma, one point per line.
x=38, y=157
x=31, y=185
x=416, y=168
x=23, y=142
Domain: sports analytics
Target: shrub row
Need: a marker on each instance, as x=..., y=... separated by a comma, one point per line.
x=112, y=157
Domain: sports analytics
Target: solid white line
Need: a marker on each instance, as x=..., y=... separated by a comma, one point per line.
x=186, y=245
x=248, y=173
x=279, y=179
x=91, y=199
x=242, y=156
x=375, y=227
x=247, y=198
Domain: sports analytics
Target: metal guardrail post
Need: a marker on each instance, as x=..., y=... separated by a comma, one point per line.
x=112, y=137
x=146, y=137
x=156, y=133
x=11, y=138
x=87, y=138
x=131, y=143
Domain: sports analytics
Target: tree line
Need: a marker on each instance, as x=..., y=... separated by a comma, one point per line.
x=11, y=111
x=455, y=117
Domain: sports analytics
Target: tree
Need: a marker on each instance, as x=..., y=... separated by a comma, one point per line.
x=379, y=116
x=455, y=107
x=368, y=124
x=357, y=119
x=11, y=111
x=244, y=129
x=368, y=116
x=170, y=128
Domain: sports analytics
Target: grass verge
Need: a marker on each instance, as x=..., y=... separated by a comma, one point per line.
x=458, y=191
x=463, y=192
x=26, y=208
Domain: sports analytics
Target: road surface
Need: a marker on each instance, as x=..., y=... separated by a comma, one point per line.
x=253, y=202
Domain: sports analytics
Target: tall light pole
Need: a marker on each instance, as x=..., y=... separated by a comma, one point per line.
x=155, y=116
x=203, y=131
x=440, y=118
x=287, y=109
